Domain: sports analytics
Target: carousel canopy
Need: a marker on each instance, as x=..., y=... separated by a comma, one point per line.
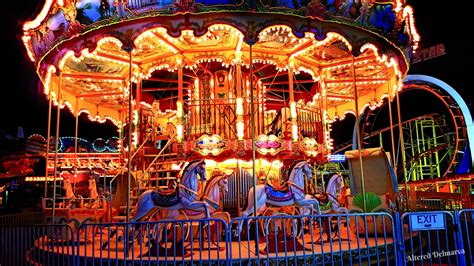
x=89, y=51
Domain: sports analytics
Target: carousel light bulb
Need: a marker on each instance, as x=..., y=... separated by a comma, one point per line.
x=294, y=132
x=179, y=132
x=293, y=110
x=179, y=109
x=239, y=109
x=240, y=130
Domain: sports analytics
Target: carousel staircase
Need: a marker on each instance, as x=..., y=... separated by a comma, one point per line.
x=160, y=169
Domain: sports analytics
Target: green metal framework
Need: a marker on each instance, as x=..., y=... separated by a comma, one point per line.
x=422, y=147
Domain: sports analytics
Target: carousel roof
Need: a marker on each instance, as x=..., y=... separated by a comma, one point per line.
x=86, y=47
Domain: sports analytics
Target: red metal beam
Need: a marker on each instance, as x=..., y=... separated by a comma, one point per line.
x=162, y=89
x=93, y=95
x=166, y=80
x=286, y=82
x=98, y=76
x=359, y=80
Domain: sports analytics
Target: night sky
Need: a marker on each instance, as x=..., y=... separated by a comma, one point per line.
x=23, y=103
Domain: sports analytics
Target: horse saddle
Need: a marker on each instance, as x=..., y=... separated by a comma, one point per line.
x=282, y=193
x=322, y=198
x=324, y=202
x=165, y=197
x=168, y=191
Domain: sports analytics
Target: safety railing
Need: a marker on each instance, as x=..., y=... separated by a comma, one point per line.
x=430, y=238
x=22, y=218
x=182, y=242
x=466, y=223
x=417, y=238
x=31, y=244
x=314, y=239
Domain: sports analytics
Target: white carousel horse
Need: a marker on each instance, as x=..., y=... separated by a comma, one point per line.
x=69, y=196
x=330, y=197
x=291, y=193
x=329, y=202
x=215, y=188
x=95, y=200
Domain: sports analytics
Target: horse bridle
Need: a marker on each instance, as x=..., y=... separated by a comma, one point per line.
x=295, y=185
x=186, y=188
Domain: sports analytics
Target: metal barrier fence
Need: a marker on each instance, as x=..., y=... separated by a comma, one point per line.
x=430, y=238
x=419, y=238
x=22, y=218
x=314, y=240
x=36, y=244
x=182, y=242
x=466, y=222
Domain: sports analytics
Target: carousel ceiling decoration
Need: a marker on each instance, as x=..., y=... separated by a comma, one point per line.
x=94, y=49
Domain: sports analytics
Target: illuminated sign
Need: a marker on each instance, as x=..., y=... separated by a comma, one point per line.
x=210, y=145
x=268, y=144
x=428, y=53
x=427, y=221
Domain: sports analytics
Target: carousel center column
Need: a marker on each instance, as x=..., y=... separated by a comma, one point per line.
x=179, y=103
x=293, y=114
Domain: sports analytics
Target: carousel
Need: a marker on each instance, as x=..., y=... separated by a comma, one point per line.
x=223, y=110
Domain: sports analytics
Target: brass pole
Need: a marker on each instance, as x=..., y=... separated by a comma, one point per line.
x=402, y=148
x=130, y=121
x=357, y=126
x=324, y=103
x=56, y=144
x=394, y=163
x=75, y=144
x=47, y=144
x=237, y=175
x=252, y=128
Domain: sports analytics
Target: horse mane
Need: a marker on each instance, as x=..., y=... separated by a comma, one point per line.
x=332, y=179
x=211, y=182
x=187, y=167
x=291, y=169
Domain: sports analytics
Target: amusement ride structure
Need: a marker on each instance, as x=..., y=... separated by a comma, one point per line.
x=250, y=88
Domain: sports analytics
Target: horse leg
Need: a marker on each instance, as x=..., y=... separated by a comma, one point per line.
x=106, y=243
x=197, y=206
x=261, y=200
x=217, y=228
x=308, y=201
x=172, y=216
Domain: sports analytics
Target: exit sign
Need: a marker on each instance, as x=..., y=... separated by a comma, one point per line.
x=428, y=53
x=427, y=221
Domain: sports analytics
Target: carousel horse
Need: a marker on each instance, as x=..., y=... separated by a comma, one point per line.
x=69, y=196
x=290, y=193
x=328, y=200
x=183, y=197
x=329, y=203
x=214, y=190
x=95, y=200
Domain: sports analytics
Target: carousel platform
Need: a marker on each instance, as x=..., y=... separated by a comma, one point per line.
x=304, y=249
